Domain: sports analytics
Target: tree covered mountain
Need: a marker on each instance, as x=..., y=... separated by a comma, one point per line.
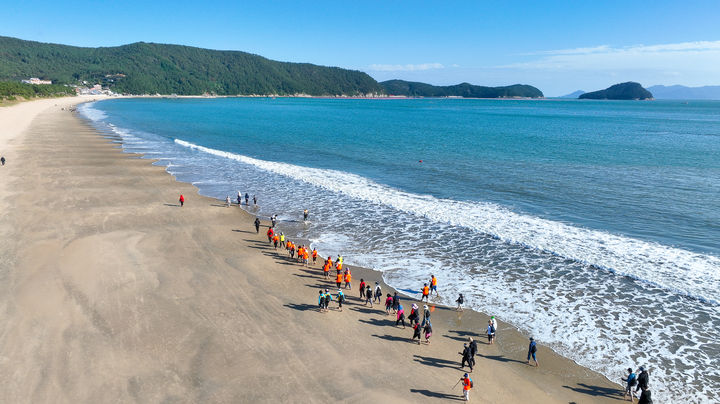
x=148, y=68
x=622, y=91
x=415, y=89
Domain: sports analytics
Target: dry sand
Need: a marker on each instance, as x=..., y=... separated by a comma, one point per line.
x=110, y=292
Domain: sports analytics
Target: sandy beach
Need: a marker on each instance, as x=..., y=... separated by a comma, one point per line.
x=111, y=292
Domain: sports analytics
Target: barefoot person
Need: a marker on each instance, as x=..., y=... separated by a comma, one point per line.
x=428, y=332
x=257, y=225
x=416, y=333
x=532, y=350
x=182, y=200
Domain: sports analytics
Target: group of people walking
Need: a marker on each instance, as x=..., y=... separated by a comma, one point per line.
x=639, y=382
x=417, y=320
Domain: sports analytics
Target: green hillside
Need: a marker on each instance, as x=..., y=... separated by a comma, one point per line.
x=150, y=68
x=415, y=89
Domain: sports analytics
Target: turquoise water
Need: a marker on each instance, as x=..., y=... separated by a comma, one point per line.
x=596, y=219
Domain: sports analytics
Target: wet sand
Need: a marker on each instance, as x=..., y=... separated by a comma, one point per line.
x=111, y=292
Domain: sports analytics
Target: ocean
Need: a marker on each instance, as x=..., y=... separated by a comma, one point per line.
x=593, y=226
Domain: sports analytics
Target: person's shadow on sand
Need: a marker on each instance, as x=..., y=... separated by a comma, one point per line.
x=596, y=391
x=435, y=394
x=177, y=205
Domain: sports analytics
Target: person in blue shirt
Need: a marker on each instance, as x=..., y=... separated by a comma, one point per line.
x=532, y=350
x=631, y=381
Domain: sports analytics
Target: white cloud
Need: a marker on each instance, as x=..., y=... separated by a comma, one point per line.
x=684, y=56
x=405, y=68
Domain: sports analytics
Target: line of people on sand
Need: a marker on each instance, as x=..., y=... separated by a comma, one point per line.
x=419, y=321
x=640, y=382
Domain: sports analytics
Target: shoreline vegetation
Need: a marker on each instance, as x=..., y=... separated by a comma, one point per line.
x=151, y=68
x=152, y=301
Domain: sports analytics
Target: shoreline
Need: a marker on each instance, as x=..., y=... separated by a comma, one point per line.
x=514, y=343
x=131, y=273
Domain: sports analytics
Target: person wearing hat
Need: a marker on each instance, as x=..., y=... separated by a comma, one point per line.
x=532, y=350
x=467, y=385
x=466, y=357
x=328, y=298
x=414, y=316
x=378, y=292
x=426, y=315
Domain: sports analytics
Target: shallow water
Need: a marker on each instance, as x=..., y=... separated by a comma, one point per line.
x=594, y=226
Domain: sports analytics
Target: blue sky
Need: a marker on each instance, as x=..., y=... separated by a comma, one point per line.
x=558, y=46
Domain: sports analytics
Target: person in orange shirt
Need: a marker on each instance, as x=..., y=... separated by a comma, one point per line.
x=433, y=285
x=326, y=270
x=300, y=253
x=276, y=240
x=306, y=256
x=339, y=266
x=467, y=385
x=348, y=278
x=425, y=293
x=339, y=279
x=314, y=255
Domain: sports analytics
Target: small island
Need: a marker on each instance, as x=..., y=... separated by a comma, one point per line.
x=622, y=91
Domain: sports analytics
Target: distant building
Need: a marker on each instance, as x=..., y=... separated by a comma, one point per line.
x=35, y=80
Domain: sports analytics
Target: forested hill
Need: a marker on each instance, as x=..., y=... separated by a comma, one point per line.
x=623, y=91
x=415, y=89
x=149, y=68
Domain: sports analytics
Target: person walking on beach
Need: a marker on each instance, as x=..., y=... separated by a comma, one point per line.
x=328, y=298
x=254, y=200
x=378, y=292
x=368, y=296
x=426, y=315
x=490, y=332
x=321, y=300
x=182, y=200
x=460, y=300
x=473, y=349
x=282, y=240
x=362, y=289
x=467, y=385
x=425, y=293
x=388, y=304
x=247, y=199
x=326, y=270
x=270, y=233
x=239, y=199
x=400, y=316
x=428, y=332
x=2, y=160
x=396, y=302
x=433, y=285
x=495, y=328
x=305, y=215
x=339, y=279
x=276, y=241
x=348, y=279
x=340, y=299
x=532, y=350
x=273, y=219
x=643, y=379
x=631, y=381
x=416, y=332
x=257, y=225
x=227, y=201
x=314, y=255
x=466, y=357
x=413, y=317
x=645, y=397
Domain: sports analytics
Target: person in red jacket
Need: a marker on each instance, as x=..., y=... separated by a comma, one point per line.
x=182, y=200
